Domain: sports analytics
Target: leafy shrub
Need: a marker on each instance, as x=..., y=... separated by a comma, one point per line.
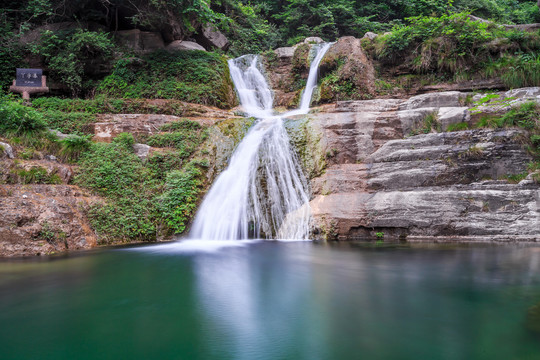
x=193, y=76
x=72, y=122
x=17, y=119
x=126, y=140
x=179, y=201
x=62, y=109
x=186, y=136
x=184, y=124
x=160, y=163
x=142, y=200
x=73, y=146
x=445, y=43
x=526, y=115
x=458, y=127
x=111, y=170
x=34, y=175
x=114, y=172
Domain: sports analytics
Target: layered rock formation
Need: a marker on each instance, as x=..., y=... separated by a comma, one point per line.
x=369, y=176
x=43, y=219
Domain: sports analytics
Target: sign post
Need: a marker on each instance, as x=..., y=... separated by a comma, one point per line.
x=29, y=81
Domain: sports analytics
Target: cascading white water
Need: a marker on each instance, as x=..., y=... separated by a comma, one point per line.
x=311, y=83
x=263, y=191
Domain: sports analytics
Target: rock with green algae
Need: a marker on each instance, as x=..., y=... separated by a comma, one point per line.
x=307, y=141
x=223, y=138
x=347, y=73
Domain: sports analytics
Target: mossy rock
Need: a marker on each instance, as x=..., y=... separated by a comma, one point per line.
x=300, y=59
x=306, y=138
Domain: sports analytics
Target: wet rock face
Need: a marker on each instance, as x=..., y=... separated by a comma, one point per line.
x=43, y=219
x=353, y=73
x=440, y=185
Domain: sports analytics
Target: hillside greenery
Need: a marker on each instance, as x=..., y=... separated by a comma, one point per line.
x=71, y=55
x=457, y=48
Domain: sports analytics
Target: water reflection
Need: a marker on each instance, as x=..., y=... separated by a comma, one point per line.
x=250, y=304
x=270, y=300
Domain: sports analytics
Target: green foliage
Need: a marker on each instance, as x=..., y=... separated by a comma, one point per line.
x=70, y=55
x=73, y=122
x=445, y=43
x=162, y=162
x=526, y=116
x=504, y=11
x=17, y=119
x=245, y=28
x=33, y=175
x=429, y=124
x=490, y=121
x=11, y=52
x=46, y=233
x=458, y=127
x=179, y=201
x=143, y=200
x=194, y=76
x=73, y=146
x=516, y=178
x=111, y=169
x=521, y=71
x=126, y=140
x=114, y=172
x=185, y=135
x=337, y=88
x=184, y=124
x=98, y=105
x=105, y=105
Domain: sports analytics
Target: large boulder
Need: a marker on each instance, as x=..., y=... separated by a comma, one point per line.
x=353, y=75
x=6, y=150
x=211, y=37
x=313, y=40
x=285, y=52
x=179, y=45
x=370, y=35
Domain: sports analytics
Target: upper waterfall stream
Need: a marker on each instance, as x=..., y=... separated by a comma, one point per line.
x=263, y=192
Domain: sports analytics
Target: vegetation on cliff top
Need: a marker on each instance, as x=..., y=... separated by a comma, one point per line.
x=192, y=76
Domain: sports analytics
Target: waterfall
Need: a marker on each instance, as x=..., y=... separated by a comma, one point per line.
x=311, y=83
x=263, y=192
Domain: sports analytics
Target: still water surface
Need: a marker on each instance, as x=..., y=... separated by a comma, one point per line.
x=270, y=300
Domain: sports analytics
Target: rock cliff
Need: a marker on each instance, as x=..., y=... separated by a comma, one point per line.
x=370, y=174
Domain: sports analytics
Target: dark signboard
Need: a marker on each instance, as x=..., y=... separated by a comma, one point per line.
x=29, y=77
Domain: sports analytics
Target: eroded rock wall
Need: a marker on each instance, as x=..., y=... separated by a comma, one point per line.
x=371, y=174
